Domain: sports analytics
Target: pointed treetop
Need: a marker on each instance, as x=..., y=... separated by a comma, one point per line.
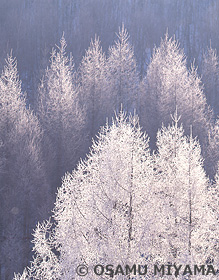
x=166, y=36
x=63, y=44
x=175, y=118
x=95, y=46
x=96, y=40
x=123, y=35
x=191, y=132
x=61, y=50
x=10, y=69
x=10, y=79
x=210, y=55
x=121, y=117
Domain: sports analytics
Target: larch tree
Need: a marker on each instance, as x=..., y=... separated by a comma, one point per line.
x=213, y=198
x=183, y=191
x=123, y=79
x=212, y=152
x=24, y=191
x=210, y=78
x=104, y=211
x=92, y=79
x=211, y=237
x=60, y=115
x=112, y=197
x=169, y=84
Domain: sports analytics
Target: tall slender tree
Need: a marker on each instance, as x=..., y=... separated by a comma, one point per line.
x=122, y=73
x=60, y=115
x=92, y=77
x=213, y=239
x=212, y=152
x=24, y=191
x=169, y=84
x=182, y=187
x=210, y=77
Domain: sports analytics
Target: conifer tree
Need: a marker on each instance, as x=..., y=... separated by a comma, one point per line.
x=100, y=208
x=210, y=74
x=169, y=84
x=92, y=78
x=122, y=74
x=60, y=115
x=182, y=188
x=212, y=152
x=213, y=201
x=24, y=191
x=108, y=201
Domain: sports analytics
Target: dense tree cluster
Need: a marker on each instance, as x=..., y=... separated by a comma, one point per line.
x=123, y=205
x=154, y=200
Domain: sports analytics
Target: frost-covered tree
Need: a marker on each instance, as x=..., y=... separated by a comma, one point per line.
x=92, y=78
x=182, y=188
x=45, y=263
x=122, y=74
x=100, y=208
x=212, y=152
x=213, y=198
x=169, y=84
x=109, y=194
x=60, y=115
x=210, y=77
x=123, y=206
x=215, y=191
x=24, y=191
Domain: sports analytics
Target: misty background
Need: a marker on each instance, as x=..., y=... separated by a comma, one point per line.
x=31, y=28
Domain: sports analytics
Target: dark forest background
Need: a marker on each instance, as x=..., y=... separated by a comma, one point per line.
x=31, y=28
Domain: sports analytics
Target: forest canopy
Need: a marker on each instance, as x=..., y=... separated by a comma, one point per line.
x=107, y=114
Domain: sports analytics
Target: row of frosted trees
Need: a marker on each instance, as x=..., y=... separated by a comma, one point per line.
x=124, y=205
x=38, y=147
x=31, y=27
